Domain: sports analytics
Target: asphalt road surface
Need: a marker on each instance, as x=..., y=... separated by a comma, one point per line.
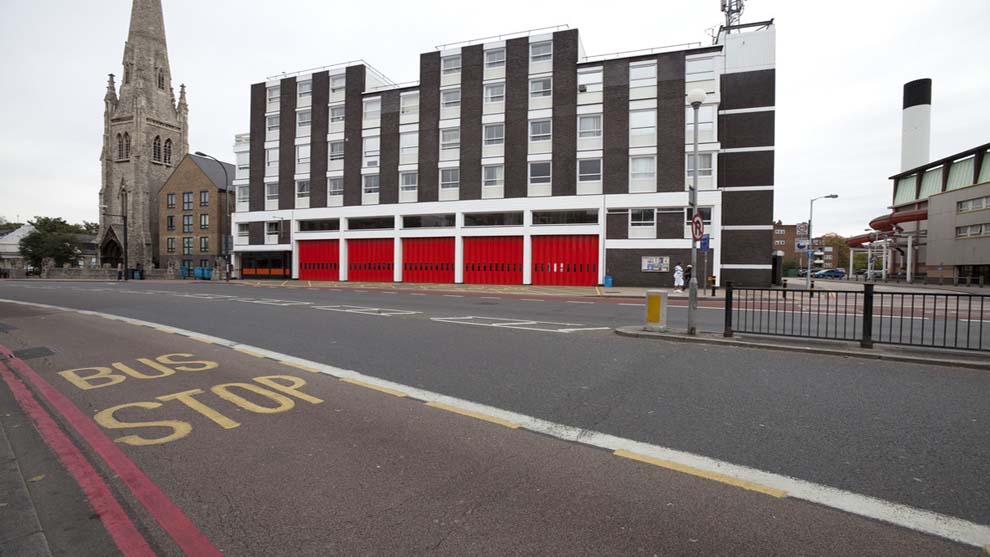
x=362, y=471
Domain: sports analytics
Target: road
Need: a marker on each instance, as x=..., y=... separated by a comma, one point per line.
x=903, y=434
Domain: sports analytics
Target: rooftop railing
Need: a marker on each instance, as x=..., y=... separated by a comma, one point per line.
x=505, y=36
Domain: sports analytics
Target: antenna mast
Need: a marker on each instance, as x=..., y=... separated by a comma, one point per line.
x=733, y=10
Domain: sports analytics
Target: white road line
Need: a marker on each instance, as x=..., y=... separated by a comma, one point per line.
x=452, y=296
x=416, y=294
x=576, y=302
x=490, y=298
x=529, y=300
x=944, y=526
x=625, y=304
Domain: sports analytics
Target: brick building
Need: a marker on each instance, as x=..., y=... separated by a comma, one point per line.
x=193, y=216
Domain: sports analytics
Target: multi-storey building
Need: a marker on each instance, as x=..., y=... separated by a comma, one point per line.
x=516, y=160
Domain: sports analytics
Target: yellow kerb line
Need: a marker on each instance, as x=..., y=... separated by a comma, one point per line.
x=201, y=339
x=249, y=352
x=385, y=390
x=472, y=414
x=715, y=476
x=298, y=366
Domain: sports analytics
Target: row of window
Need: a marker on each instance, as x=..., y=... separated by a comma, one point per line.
x=973, y=230
x=187, y=222
x=648, y=217
x=187, y=245
x=974, y=204
x=159, y=152
x=187, y=200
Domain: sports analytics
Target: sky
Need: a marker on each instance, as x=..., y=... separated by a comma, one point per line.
x=840, y=69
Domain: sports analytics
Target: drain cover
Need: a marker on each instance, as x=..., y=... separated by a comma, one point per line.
x=35, y=352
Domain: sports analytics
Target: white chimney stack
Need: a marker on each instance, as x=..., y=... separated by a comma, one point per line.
x=916, y=123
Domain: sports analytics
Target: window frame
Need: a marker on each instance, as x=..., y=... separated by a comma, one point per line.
x=170, y=245
x=497, y=140
x=409, y=149
x=689, y=158
x=491, y=99
x=597, y=131
x=335, y=155
x=170, y=200
x=273, y=118
x=277, y=89
x=204, y=244
x=632, y=129
x=339, y=79
x=642, y=223
x=489, y=64
x=332, y=191
x=187, y=245
x=633, y=173
x=450, y=184
x=542, y=138
x=499, y=179
x=447, y=68
x=299, y=192
x=405, y=107
x=375, y=114
x=243, y=230
x=269, y=196
x=541, y=93
x=444, y=103
x=300, y=150
x=204, y=198
x=204, y=221
x=543, y=57
x=543, y=180
x=304, y=88
x=341, y=109
x=591, y=86
x=447, y=145
x=580, y=175
x=408, y=187
x=308, y=121
x=187, y=201
x=374, y=187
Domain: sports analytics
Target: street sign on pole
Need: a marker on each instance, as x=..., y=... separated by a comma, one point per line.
x=705, y=243
x=697, y=227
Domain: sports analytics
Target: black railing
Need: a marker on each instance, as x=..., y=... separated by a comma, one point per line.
x=937, y=320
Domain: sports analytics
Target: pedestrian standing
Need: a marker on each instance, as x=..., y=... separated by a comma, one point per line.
x=120, y=271
x=678, y=277
x=687, y=274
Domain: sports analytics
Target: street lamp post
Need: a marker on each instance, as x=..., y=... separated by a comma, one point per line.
x=225, y=218
x=811, y=241
x=694, y=97
x=123, y=206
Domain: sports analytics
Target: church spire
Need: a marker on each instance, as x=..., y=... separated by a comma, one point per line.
x=147, y=23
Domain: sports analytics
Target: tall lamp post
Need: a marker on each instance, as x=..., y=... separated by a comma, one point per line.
x=123, y=206
x=225, y=219
x=694, y=97
x=811, y=237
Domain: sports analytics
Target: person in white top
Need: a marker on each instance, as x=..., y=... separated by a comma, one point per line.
x=678, y=278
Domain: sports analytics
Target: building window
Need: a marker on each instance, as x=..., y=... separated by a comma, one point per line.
x=706, y=216
x=272, y=228
x=319, y=225
x=304, y=88
x=495, y=93
x=271, y=157
x=204, y=198
x=495, y=58
x=204, y=243
x=204, y=221
x=170, y=245
x=643, y=168
x=304, y=118
x=187, y=246
x=168, y=151
x=576, y=216
x=409, y=143
x=539, y=172
x=243, y=230
x=408, y=181
x=973, y=204
x=335, y=186
x=779, y=242
x=779, y=231
x=493, y=175
x=187, y=263
x=338, y=83
x=187, y=201
x=274, y=94
x=494, y=134
x=271, y=191
x=409, y=103
x=302, y=189
x=187, y=223
x=493, y=219
x=373, y=108
x=590, y=125
x=336, y=150
x=273, y=122
x=336, y=114
x=156, y=149
x=450, y=139
x=371, y=149
x=541, y=51
x=127, y=145
x=450, y=98
x=450, y=177
x=590, y=80
x=370, y=223
x=170, y=223
x=706, y=124
x=243, y=193
x=642, y=75
x=451, y=64
x=589, y=170
x=170, y=200
x=699, y=69
x=429, y=221
x=973, y=230
x=704, y=167
x=204, y=263
x=642, y=124
x=542, y=87
x=540, y=130
x=642, y=217
x=370, y=183
x=302, y=154
x=120, y=147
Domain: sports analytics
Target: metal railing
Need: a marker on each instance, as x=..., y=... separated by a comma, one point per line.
x=933, y=320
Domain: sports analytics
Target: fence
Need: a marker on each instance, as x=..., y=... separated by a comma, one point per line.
x=937, y=320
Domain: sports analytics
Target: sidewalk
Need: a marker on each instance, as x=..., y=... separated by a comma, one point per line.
x=798, y=283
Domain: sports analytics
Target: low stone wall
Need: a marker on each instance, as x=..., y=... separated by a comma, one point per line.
x=106, y=273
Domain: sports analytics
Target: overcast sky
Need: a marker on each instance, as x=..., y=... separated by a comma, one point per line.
x=840, y=68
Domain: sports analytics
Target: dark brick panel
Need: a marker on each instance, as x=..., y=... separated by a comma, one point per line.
x=746, y=277
x=353, y=123
x=286, y=144
x=616, y=132
x=256, y=178
x=256, y=232
x=388, y=176
x=624, y=266
x=748, y=89
x=318, y=140
x=747, y=247
x=670, y=225
x=429, y=125
x=670, y=122
x=753, y=168
x=749, y=129
x=617, y=226
x=747, y=207
x=472, y=76
x=565, y=57
x=516, y=116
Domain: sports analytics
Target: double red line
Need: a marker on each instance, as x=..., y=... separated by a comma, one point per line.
x=116, y=521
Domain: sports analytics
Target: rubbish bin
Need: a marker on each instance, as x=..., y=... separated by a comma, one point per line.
x=608, y=281
x=207, y=273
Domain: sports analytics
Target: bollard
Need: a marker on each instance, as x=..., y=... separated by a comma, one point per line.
x=785, y=289
x=812, y=294
x=656, y=311
x=711, y=280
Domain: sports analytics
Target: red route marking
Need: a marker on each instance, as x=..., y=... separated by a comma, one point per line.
x=125, y=535
x=188, y=537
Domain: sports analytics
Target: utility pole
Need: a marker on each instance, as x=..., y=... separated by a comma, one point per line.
x=695, y=97
x=811, y=237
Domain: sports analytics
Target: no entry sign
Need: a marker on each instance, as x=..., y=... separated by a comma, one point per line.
x=697, y=227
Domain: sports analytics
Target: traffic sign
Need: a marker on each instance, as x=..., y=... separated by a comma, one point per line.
x=697, y=227
x=705, y=243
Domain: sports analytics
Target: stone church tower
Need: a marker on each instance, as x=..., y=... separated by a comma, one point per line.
x=145, y=135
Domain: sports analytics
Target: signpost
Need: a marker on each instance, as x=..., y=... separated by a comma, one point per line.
x=697, y=227
x=706, y=244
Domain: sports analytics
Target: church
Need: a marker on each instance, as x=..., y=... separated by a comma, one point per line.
x=145, y=135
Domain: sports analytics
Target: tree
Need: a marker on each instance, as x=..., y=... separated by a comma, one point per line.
x=52, y=237
x=92, y=228
x=840, y=250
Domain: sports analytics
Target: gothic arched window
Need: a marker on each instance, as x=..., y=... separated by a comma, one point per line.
x=156, y=149
x=127, y=72
x=120, y=147
x=161, y=79
x=168, y=151
x=127, y=145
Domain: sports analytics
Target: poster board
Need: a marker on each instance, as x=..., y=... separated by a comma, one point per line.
x=655, y=264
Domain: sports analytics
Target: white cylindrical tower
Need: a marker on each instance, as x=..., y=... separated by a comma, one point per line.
x=916, y=123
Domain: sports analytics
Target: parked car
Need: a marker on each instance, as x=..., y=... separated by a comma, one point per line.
x=830, y=273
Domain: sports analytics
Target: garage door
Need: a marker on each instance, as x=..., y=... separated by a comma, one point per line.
x=428, y=260
x=565, y=260
x=370, y=260
x=319, y=260
x=493, y=260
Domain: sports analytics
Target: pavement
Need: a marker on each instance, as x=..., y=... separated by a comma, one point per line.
x=904, y=437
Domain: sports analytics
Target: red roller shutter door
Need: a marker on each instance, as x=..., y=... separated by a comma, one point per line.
x=428, y=260
x=319, y=260
x=565, y=260
x=370, y=260
x=493, y=260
